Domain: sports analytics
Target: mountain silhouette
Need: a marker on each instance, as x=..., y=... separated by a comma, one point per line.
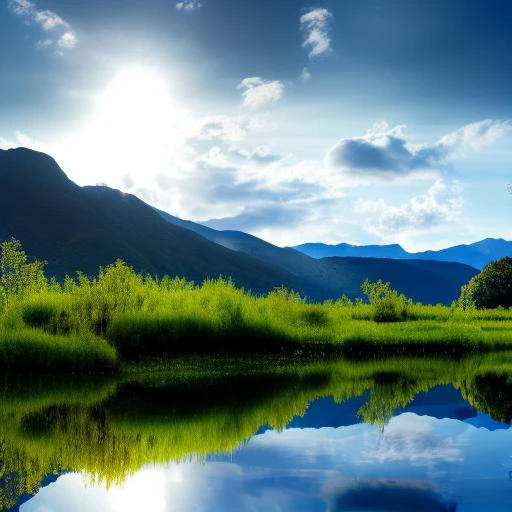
x=82, y=228
x=425, y=281
x=477, y=255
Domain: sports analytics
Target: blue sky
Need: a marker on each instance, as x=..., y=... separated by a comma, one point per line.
x=358, y=121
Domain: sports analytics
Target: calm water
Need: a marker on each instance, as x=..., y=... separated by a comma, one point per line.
x=390, y=436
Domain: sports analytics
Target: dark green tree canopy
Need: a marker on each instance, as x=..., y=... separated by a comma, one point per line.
x=490, y=288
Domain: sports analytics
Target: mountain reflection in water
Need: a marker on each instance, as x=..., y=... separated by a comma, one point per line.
x=425, y=435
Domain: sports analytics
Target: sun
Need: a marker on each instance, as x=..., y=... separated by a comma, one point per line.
x=136, y=112
x=133, y=130
x=134, y=101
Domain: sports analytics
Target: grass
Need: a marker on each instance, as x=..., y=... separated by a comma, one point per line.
x=23, y=350
x=94, y=324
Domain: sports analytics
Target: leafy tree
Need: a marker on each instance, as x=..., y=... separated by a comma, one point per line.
x=388, y=304
x=17, y=275
x=491, y=288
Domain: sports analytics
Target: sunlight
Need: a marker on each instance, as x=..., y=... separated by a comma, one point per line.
x=134, y=105
x=133, y=130
x=143, y=491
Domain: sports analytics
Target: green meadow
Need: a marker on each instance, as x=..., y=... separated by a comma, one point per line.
x=95, y=324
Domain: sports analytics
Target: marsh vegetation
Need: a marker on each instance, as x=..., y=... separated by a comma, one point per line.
x=92, y=324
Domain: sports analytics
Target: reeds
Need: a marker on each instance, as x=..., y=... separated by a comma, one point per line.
x=126, y=316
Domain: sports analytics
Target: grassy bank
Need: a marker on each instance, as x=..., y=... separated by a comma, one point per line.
x=93, y=324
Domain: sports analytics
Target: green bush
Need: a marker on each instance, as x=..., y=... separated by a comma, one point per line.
x=33, y=351
x=46, y=316
x=388, y=305
x=17, y=275
x=491, y=288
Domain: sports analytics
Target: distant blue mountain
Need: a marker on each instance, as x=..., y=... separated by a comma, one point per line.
x=425, y=281
x=477, y=255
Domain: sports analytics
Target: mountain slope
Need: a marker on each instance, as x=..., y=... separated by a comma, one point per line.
x=477, y=255
x=78, y=228
x=425, y=281
x=81, y=228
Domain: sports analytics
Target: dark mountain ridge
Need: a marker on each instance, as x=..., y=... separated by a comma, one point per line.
x=82, y=228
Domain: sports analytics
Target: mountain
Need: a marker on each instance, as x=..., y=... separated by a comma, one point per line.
x=81, y=228
x=318, y=250
x=477, y=255
x=425, y=281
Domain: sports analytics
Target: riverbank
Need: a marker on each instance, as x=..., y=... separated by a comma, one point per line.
x=96, y=325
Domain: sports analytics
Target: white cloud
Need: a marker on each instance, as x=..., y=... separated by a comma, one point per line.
x=22, y=140
x=20, y=6
x=190, y=5
x=415, y=439
x=63, y=36
x=386, y=152
x=442, y=203
x=221, y=127
x=48, y=20
x=315, y=25
x=258, y=92
x=476, y=135
x=67, y=40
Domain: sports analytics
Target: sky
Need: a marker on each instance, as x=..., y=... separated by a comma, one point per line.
x=359, y=121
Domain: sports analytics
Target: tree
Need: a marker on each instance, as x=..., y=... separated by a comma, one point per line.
x=17, y=275
x=490, y=288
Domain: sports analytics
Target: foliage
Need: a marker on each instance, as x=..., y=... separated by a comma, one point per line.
x=17, y=275
x=139, y=316
x=490, y=288
x=388, y=305
x=28, y=350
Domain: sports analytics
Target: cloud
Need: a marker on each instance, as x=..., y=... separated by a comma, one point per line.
x=385, y=151
x=262, y=155
x=258, y=92
x=222, y=128
x=476, y=135
x=22, y=140
x=20, y=6
x=48, y=20
x=305, y=75
x=62, y=35
x=315, y=25
x=191, y=5
x=255, y=218
x=67, y=40
x=441, y=203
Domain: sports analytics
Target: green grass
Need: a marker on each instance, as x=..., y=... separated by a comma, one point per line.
x=30, y=350
x=86, y=325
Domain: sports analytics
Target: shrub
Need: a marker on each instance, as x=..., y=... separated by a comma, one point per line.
x=17, y=275
x=46, y=316
x=388, y=305
x=490, y=288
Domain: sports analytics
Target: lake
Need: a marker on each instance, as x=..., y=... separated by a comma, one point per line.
x=263, y=435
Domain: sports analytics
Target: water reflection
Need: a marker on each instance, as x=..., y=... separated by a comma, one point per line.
x=393, y=435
